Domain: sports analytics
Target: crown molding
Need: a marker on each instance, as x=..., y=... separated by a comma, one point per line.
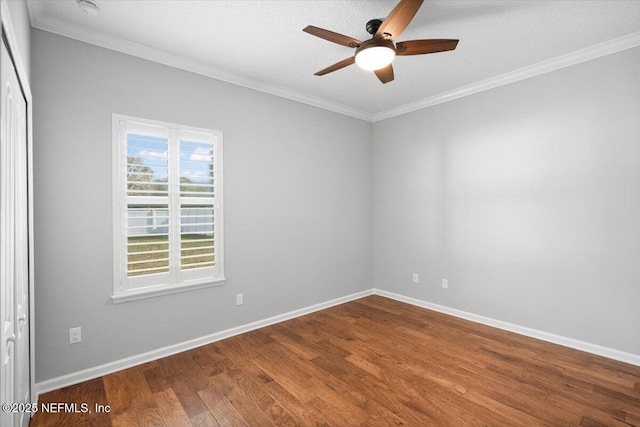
x=34, y=9
x=123, y=46
x=616, y=45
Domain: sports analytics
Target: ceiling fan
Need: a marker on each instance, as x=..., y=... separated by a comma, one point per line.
x=377, y=53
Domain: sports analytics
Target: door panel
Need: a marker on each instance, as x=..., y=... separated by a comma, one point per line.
x=14, y=248
x=21, y=261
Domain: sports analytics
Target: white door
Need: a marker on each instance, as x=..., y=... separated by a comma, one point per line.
x=14, y=249
x=21, y=258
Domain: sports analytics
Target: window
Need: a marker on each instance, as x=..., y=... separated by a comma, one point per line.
x=167, y=208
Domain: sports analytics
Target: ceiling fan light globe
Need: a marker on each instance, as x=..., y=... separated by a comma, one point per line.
x=375, y=57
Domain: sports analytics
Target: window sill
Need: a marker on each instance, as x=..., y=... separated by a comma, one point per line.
x=156, y=291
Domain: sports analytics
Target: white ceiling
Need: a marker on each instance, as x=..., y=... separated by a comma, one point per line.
x=260, y=44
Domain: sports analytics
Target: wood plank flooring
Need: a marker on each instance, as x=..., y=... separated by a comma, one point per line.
x=370, y=362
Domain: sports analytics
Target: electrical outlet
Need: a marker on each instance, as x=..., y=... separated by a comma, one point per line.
x=416, y=278
x=239, y=299
x=75, y=335
x=445, y=284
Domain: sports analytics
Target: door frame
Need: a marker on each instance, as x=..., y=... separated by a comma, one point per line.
x=7, y=29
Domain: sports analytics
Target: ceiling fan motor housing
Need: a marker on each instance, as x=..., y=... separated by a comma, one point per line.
x=375, y=42
x=373, y=25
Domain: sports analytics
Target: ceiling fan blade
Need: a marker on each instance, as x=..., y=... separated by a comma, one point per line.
x=420, y=47
x=332, y=37
x=398, y=19
x=337, y=66
x=385, y=74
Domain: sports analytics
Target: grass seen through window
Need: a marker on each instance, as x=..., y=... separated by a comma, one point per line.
x=149, y=254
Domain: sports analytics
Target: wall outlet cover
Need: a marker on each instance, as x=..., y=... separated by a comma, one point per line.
x=75, y=335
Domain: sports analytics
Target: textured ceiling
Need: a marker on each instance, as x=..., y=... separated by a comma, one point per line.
x=260, y=44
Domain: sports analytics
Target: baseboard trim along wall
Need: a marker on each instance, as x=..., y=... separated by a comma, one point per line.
x=98, y=371
x=610, y=353
x=118, y=365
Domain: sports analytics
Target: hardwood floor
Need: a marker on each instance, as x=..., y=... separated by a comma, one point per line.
x=370, y=362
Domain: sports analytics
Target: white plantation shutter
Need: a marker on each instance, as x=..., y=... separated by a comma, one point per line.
x=167, y=208
x=147, y=203
x=198, y=204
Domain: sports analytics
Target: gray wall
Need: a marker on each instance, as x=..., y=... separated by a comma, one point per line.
x=22, y=29
x=297, y=194
x=526, y=197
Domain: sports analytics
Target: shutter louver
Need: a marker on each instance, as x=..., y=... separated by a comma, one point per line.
x=148, y=225
x=147, y=166
x=197, y=242
x=147, y=240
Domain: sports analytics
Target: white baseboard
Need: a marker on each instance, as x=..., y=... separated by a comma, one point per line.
x=610, y=353
x=98, y=371
x=108, y=368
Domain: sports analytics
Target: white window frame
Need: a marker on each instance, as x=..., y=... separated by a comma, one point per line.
x=176, y=280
